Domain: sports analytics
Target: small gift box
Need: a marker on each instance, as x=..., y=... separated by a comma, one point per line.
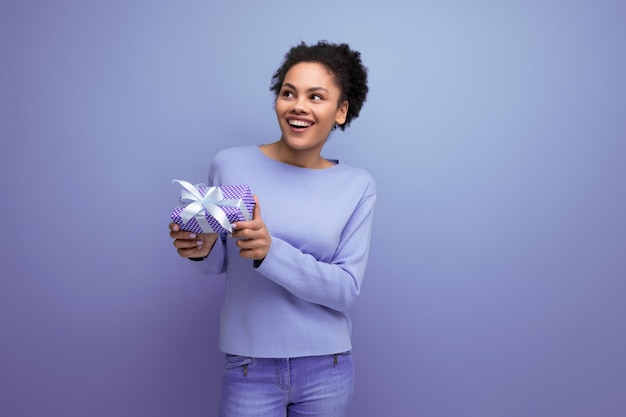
x=204, y=209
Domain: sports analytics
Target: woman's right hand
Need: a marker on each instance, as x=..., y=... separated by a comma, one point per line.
x=192, y=245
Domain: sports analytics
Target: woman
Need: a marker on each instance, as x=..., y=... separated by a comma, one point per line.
x=294, y=270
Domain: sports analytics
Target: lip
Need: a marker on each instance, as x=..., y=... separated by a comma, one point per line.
x=299, y=119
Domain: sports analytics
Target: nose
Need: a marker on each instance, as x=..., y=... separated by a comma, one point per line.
x=299, y=106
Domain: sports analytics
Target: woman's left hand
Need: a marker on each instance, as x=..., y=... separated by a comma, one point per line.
x=253, y=238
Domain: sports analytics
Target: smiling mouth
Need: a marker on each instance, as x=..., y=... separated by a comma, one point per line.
x=301, y=124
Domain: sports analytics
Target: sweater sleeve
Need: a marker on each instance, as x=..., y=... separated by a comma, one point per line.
x=335, y=284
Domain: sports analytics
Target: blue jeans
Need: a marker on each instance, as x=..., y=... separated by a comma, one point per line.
x=308, y=386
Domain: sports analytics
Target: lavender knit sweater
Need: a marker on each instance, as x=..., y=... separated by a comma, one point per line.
x=295, y=303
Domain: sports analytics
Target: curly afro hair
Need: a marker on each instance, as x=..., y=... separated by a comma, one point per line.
x=343, y=63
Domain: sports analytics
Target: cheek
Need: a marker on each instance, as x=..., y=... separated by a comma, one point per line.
x=282, y=107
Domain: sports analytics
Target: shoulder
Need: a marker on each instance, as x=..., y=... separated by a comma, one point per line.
x=236, y=156
x=228, y=164
x=358, y=176
x=238, y=152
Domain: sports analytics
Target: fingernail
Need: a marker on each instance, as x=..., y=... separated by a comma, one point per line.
x=234, y=226
x=192, y=235
x=199, y=243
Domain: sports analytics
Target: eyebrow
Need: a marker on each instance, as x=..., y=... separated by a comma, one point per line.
x=310, y=90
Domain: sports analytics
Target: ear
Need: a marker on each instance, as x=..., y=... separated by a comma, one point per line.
x=342, y=113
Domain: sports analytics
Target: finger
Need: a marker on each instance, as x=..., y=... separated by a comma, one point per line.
x=191, y=253
x=252, y=253
x=246, y=243
x=255, y=223
x=183, y=235
x=248, y=253
x=175, y=228
x=246, y=247
x=256, y=211
x=188, y=243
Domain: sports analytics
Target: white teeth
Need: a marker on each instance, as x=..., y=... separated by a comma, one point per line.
x=299, y=123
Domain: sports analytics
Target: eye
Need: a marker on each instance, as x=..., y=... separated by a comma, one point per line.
x=317, y=97
x=287, y=94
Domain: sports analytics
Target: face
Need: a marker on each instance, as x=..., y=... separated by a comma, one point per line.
x=308, y=106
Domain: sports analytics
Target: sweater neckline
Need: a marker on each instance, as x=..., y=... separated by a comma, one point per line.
x=335, y=163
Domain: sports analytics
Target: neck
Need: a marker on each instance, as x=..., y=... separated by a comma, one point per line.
x=308, y=158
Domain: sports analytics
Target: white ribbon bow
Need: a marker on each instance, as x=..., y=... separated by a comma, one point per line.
x=213, y=199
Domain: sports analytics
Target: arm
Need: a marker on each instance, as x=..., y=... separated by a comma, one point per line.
x=335, y=284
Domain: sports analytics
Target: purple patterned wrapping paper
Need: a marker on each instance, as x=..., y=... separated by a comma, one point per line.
x=230, y=192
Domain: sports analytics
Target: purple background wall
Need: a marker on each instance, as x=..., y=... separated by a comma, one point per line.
x=496, y=132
